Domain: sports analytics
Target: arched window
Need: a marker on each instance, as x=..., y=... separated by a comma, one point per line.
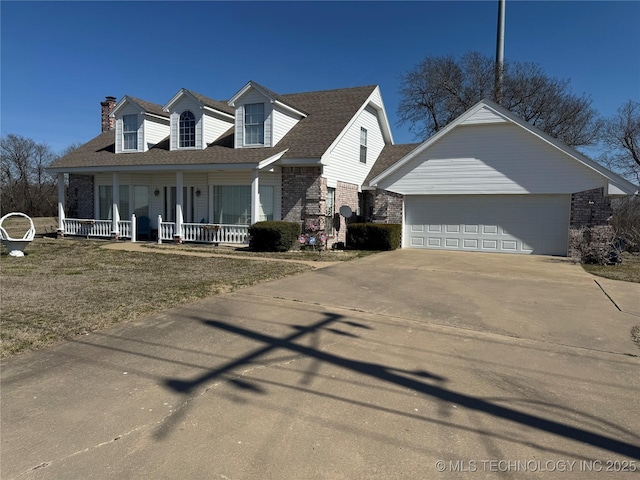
x=187, y=129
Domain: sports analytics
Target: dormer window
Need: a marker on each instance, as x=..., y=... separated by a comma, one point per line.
x=130, y=132
x=187, y=129
x=254, y=124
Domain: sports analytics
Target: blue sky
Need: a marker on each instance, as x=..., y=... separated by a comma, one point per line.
x=60, y=59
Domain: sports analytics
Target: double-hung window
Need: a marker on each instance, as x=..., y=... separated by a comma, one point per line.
x=363, y=145
x=254, y=124
x=130, y=132
x=187, y=130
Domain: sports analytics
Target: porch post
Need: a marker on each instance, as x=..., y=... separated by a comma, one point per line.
x=255, y=196
x=177, y=235
x=133, y=228
x=210, y=204
x=115, y=212
x=61, y=204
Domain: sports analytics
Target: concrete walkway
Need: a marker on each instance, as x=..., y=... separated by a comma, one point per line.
x=206, y=252
x=400, y=365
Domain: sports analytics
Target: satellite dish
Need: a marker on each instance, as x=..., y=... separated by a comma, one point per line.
x=345, y=211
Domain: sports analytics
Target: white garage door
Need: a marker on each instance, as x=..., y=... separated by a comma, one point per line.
x=536, y=224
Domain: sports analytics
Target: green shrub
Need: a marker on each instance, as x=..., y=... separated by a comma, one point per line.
x=273, y=236
x=374, y=236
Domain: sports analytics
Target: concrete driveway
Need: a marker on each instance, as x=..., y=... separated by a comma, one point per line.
x=407, y=364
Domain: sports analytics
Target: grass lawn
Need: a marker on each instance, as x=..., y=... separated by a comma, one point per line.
x=63, y=288
x=628, y=270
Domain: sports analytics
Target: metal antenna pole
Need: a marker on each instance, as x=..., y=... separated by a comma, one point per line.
x=500, y=52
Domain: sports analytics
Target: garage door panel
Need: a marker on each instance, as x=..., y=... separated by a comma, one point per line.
x=434, y=242
x=496, y=223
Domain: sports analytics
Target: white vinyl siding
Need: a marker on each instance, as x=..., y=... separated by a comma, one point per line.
x=343, y=162
x=214, y=127
x=524, y=224
x=150, y=130
x=484, y=115
x=155, y=130
x=283, y=121
x=129, y=109
x=184, y=104
x=491, y=159
x=253, y=97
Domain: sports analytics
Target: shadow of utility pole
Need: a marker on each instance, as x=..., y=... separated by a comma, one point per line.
x=393, y=376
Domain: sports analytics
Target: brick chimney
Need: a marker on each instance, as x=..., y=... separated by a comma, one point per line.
x=108, y=123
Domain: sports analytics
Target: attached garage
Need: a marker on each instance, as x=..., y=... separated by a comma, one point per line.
x=491, y=182
x=488, y=223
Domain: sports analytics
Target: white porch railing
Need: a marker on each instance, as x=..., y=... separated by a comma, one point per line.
x=124, y=228
x=205, y=232
x=86, y=227
x=191, y=232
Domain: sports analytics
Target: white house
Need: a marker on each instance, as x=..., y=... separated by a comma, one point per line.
x=204, y=170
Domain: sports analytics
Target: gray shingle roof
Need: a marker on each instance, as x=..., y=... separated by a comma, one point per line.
x=278, y=97
x=329, y=112
x=221, y=105
x=389, y=156
x=149, y=107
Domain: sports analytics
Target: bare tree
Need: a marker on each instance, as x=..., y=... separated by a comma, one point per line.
x=441, y=88
x=621, y=138
x=26, y=184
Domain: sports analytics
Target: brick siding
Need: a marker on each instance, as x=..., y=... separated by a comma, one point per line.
x=346, y=194
x=590, y=208
x=80, y=196
x=303, y=196
x=387, y=207
x=106, y=122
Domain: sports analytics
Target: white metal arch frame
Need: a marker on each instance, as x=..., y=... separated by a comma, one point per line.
x=16, y=246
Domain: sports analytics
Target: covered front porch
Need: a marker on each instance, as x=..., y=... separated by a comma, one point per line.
x=180, y=206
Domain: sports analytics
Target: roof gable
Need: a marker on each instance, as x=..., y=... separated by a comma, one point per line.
x=273, y=97
x=487, y=112
x=206, y=102
x=143, y=105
